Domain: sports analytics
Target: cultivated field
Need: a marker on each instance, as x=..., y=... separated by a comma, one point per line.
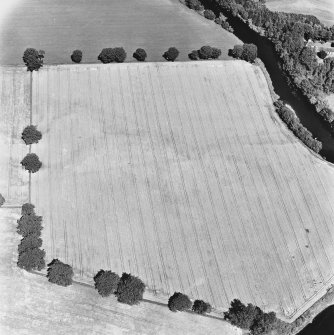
x=322, y=9
x=30, y=305
x=14, y=116
x=182, y=174
x=59, y=27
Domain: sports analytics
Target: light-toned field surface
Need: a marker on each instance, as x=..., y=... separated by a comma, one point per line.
x=30, y=305
x=14, y=116
x=59, y=27
x=182, y=174
x=322, y=9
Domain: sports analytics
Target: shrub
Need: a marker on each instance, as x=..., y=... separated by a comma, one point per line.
x=327, y=114
x=109, y=55
x=2, y=200
x=322, y=54
x=60, y=273
x=29, y=224
x=209, y=14
x=31, y=135
x=130, y=289
x=205, y=52
x=225, y=25
x=179, y=302
x=31, y=163
x=33, y=59
x=76, y=56
x=140, y=55
x=193, y=55
x=218, y=20
x=216, y=53
x=194, y=4
x=31, y=241
x=27, y=209
x=31, y=259
x=241, y=315
x=171, y=54
x=106, y=282
x=201, y=307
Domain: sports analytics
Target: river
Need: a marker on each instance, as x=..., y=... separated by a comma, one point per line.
x=285, y=88
x=323, y=323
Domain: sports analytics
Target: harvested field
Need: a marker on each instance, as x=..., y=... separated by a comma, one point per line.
x=184, y=175
x=30, y=305
x=14, y=116
x=59, y=27
x=322, y=9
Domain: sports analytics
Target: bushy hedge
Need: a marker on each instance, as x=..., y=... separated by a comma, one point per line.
x=298, y=129
x=30, y=257
x=31, y=163
x=171, y=54
x=109, y=55
x=33, y=59
x=179, y=302
x=194, y=4
x=201, y=307
x=76, y=56
x=60, y=273
x=106, y=282
x=130, y=289
x=247, y=52
x=205, y=52
x=31, y=135
x=209, y=14
x=29, y=224
x=140, y=55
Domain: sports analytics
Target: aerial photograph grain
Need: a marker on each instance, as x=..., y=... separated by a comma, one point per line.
x=167, y=167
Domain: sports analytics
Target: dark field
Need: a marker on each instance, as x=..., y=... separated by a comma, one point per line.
x=59, y=27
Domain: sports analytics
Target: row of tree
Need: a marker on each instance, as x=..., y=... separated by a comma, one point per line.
x=181, y=302
x=31, y=161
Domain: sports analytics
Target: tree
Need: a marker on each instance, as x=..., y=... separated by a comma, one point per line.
x=32, y=59
x=27, y=209
x=193, y=55
x=2, y=200
x=327, y=114
x=29, y=224
x=201, y=307
x=106, y=282
x=194, y=4
x=171, y=54
x=130, y=289
x=205, y=52
x=60, y=273
x=209, y=14
x=249, y=52
x=264, y=323
x=237, y=51
x=31, y=135
x=76, y=56
x=216, y=53
x=241, y=315
x=179, y=302
x=307, y=57
x=31, y=163
x=31, y=241
x=109, y=55
x=31, y=259
x=322, y=54
x=140, y=55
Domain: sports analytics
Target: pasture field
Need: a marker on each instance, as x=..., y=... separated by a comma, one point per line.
x=59, y=27
x=14, y=116
x=322, y=9
x=30, y=305
x=182, y=174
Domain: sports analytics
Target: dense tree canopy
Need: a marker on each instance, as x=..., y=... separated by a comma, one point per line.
x=140, y=55
x=171, y=54
x=33, y=59
x=31, y=163
x=106, y=282
x=130, y=289
x=60, y=273
x=31, y=135
x=76, y=56
x=179, y=302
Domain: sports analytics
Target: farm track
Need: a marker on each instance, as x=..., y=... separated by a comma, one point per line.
x=195, y=187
